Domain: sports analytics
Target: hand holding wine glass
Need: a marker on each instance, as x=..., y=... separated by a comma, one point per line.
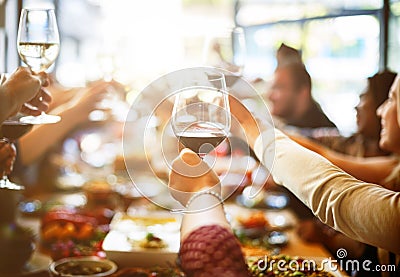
x=227, y=49
x=38, y=47
x=201, y=117
x=23, y=92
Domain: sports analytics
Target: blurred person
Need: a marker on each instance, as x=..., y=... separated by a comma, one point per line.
x=74, y=114
x=287, y=55
x=362, y=210
x=36, y=147
x=365, y=142
x=337, y=198
x=291, y=99
x=382, y=170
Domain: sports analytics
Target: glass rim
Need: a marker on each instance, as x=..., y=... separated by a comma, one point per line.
x=215, y=76
x=37, y=9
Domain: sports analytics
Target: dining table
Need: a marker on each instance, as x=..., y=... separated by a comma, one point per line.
x=282, y=219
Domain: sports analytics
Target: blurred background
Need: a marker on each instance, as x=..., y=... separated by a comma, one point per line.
x=342, y=42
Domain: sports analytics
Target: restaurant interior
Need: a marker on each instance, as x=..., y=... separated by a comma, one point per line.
x=89, y=191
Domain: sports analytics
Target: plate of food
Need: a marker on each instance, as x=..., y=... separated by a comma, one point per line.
x=146, y=240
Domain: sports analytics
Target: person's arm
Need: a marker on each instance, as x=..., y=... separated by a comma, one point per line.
x=363, y=211
x=208, y=246
x=374, y=169
x=32, y=145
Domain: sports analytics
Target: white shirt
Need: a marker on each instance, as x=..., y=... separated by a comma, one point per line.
x=363, y=211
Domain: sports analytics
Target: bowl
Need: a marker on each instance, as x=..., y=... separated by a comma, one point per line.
x=82, y=266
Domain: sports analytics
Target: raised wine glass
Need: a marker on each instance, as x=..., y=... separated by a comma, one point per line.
x=226, y=49
x=201, y=117
x=38, y=46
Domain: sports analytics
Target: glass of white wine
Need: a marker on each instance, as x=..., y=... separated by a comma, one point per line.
x=201, y=118
x=38, y=46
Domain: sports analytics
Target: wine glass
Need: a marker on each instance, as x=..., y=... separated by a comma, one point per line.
x=201, y=118
x=227, y=49
x=38, y=46
x=12, y=129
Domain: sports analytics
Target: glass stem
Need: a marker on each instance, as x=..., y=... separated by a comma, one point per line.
x=4, y=179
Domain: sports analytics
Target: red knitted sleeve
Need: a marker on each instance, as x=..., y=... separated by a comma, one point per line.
x=212, y=251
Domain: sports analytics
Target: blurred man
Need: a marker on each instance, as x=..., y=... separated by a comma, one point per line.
x=292, y=102
x=291, y=99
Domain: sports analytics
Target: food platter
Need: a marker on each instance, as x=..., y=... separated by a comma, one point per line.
x=123, y=244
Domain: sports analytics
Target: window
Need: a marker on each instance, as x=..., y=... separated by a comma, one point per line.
x=339, y=41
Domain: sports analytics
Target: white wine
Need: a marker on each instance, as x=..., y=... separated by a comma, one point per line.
x=39, y=56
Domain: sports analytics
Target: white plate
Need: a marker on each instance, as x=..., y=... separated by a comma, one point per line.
x=121, y=243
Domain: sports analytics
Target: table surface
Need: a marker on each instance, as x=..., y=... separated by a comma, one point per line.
x=294, y=247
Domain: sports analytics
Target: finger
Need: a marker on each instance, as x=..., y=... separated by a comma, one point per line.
x=40, y=106
x=5, y=153
x=45, y=95
x=44, y=78
x=189, y=166
x=189, y=157
x=8, y=168
x=40, y=101
x=3, y=143
x=28, y=110
x=13, y=149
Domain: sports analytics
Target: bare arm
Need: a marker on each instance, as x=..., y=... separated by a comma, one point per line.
x=39, y=140
x=208, y=246
x=373, y=170
x=74, y=113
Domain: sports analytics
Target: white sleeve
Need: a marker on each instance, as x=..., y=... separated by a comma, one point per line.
x=362, y=211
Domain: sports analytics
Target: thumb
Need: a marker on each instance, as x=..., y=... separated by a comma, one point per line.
x=189, y=157
x=44, y=78
x=189, y=165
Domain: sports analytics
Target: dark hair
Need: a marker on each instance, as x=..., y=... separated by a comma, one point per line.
x=379, y=86
x=299, y=74
x=287, y=55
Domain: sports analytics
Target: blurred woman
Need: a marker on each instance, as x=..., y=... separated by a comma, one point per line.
x=365, y=142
